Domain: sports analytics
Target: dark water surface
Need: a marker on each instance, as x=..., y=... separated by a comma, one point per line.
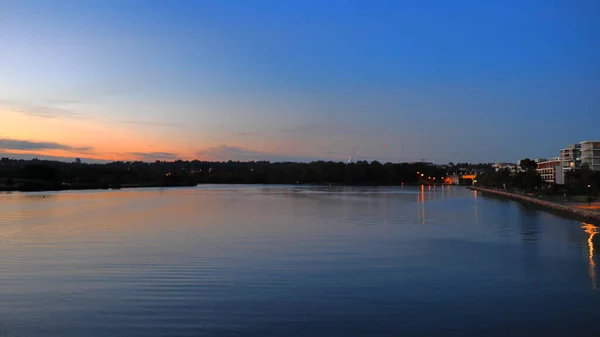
x=289, y=261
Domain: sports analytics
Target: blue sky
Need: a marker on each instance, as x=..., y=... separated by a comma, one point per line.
x=299, y=80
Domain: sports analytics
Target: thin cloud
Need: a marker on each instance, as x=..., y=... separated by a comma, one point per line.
x=315, y=128
x=152, y=123
x=152, y=156
x=62, y=101
x=245, y=134
x=27, y=145
x=41, y=110
x=226, y=152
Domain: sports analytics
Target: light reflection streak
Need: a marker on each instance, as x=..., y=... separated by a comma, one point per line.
x=591, y=230
x=422, y=202
x=475, y=207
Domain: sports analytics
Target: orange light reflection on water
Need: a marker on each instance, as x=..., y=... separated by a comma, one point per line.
x=591, y=230
x=421, y=201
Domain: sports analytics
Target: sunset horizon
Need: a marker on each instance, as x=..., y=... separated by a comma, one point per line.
x=298, y=81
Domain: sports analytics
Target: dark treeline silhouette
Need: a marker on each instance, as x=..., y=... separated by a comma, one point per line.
x=51, y=175
x=527, y=180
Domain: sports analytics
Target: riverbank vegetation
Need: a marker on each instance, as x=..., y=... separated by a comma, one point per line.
x=582, y=182
x=36, y=175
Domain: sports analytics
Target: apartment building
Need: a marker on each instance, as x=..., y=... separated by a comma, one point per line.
x=551, y=170
x=571, y=156
x=590, y=154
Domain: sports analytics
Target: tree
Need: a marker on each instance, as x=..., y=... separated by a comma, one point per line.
x=39, y=171
x=532, y=179
x=527, y=164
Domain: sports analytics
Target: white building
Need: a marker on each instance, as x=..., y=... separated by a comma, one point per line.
x=505, y=166
x=571, y=157
x=590, y=154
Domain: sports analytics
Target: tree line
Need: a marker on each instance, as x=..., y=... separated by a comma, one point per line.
x=43, y=175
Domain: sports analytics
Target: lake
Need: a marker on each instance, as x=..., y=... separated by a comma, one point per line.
x=292, y=261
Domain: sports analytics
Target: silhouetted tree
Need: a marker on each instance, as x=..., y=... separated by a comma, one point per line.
x=527, y=164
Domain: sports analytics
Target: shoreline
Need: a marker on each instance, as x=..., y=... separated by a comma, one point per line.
x=131, y=186
x=551, y=207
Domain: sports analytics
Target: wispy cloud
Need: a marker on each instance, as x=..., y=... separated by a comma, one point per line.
x=27, y=145
x=152, y=156
x=152, y=123
x=41, y=110
x=316, y=128
x=226, y=152
x=246, y=134
x=62, y=101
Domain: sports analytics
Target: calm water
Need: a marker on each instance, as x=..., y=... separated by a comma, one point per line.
x=288, y=261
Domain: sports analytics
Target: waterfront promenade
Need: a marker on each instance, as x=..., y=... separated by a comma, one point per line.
x=577, y=211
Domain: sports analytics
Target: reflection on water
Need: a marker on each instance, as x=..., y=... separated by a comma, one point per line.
x=475, y=211
x=591, y=230
x=529, y=223
x=291, y=261
x=421, y=204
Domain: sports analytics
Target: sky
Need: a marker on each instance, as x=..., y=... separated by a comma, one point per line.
x=433, y=80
